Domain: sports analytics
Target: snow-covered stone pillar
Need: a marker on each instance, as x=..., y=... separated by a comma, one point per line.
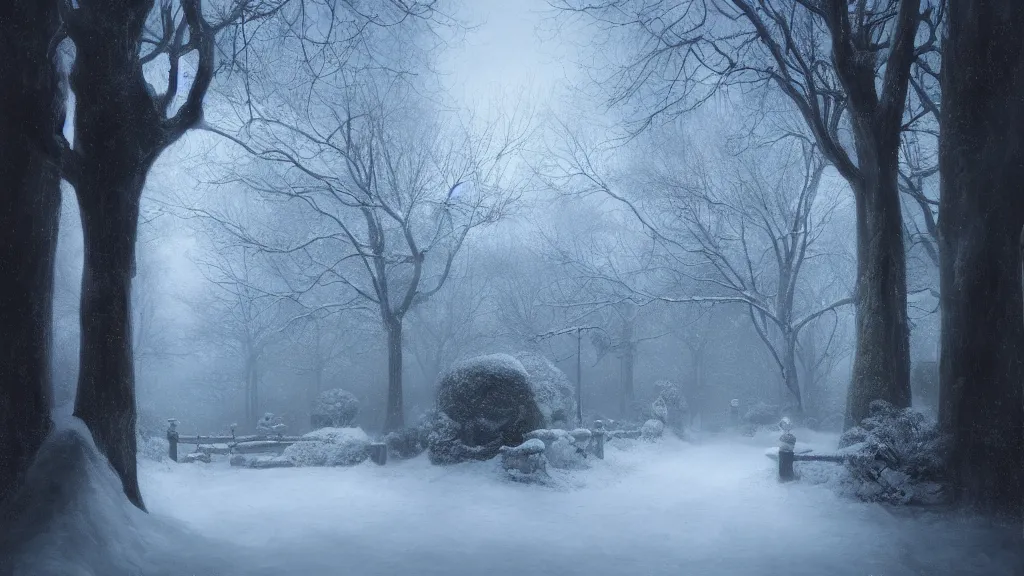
x=172, y=439
x=787, y=446
x=597, y=440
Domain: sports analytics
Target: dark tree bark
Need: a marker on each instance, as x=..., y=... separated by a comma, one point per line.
x=121, y=127
x=982, y=206
x=395, y=416
x=31, y=115
x=881, y=365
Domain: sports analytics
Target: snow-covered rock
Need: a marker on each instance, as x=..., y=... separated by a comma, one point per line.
x=335, y=408
x=554, y=393
x=525, y=460
x=330, y=447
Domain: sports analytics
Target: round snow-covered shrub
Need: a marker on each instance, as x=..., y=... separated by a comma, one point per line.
x=652, y=430
x=335, y=408
x=491, y=400
x=761, y=414
x=554, y=394
x=330, y=447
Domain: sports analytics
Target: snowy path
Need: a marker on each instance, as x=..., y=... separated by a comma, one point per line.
x=673, y=508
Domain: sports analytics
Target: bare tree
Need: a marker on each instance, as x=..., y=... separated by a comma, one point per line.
x=388, y=189
x=846, y=68
x=745, y=240
x=122, y=125
x=31, y=110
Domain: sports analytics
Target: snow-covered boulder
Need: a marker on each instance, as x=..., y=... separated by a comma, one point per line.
x=562, y=448
x=491, y=400
x=271, y=425
x=330, y=447
x=652, y=430
x=526, y=460
x=554, y=394
x=335, y=408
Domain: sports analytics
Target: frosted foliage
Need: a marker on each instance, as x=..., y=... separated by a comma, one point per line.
x=896, y=456
x=330, y=447
x=153, y=448
x=335, y=408
x=670, y=406
x=761, y=414
x=491, y=403
x=652, y=430
x=554, y=393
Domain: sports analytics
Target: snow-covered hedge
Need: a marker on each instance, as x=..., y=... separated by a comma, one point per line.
x=670, y=407
x=335, y=408
x=330, y=447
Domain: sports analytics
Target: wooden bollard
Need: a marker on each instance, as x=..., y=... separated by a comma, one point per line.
x=379, y=453
x=172, y=439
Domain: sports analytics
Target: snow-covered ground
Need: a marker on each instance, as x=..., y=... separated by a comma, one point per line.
x=712, y=507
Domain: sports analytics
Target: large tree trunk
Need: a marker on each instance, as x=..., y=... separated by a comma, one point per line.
x=106, y=383
x=31, y=113
x=982, y=208
x=395, y=415
x=881, y=365
x=118, y=134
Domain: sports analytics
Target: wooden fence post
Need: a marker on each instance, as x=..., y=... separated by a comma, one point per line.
x=172, y=439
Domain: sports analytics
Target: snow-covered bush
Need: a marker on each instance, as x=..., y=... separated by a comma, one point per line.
x=445, y=445
x=652, y=430
x=405, y=443
x=491, y=399
x=896, y=456
x=554, y=394
x=270, y=425
x=330, y=447
x=335, y=408
x=761, y=414
x=670, y=407
x=153, y=448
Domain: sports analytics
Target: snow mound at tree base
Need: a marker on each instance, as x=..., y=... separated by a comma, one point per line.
x=71, y=518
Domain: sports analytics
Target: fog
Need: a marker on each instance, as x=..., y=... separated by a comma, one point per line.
x=518, y=287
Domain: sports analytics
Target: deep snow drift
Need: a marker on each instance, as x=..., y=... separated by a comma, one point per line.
x=708, y=508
